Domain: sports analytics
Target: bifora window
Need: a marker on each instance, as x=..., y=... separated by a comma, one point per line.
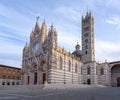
x=3, y=83
x=86, y=47
x=86, y=52
x=86, y=40
x=102, y=71
x=88, y=70
x=86, y=28
x=86, y=35
x=75, y=67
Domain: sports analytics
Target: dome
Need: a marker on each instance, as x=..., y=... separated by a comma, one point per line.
x=77, y=52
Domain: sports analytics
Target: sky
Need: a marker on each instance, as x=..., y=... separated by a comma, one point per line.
x=18, y=18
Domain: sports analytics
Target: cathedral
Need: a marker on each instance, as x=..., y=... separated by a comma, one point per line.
x=44, y=62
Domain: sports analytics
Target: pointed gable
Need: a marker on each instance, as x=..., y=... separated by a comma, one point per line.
x=37, y=27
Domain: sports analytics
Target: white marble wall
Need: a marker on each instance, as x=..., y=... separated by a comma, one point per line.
x=63, y=76
x=92, y=76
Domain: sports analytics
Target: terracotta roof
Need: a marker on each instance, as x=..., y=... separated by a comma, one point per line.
x=9, y=66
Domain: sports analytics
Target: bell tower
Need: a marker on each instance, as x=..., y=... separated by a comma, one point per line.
x=88, y=52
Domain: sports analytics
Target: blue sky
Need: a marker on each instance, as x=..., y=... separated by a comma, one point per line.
x=18, y=17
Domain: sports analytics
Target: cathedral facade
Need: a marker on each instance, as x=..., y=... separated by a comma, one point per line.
x=45, y=62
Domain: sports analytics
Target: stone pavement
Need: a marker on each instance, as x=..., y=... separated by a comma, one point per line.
x=68, y=86
x=49, y=86
x=59, y=92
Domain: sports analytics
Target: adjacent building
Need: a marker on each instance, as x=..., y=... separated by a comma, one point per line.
x=45, y=62
x=10, y=75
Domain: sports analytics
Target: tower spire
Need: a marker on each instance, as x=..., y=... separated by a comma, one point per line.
x=88, y=52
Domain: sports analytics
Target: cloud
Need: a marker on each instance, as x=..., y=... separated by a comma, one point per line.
x=10, y=54
x=13, y=14
x=68, y=35
x=69, y=13
x=107, y=50
x=14, y=30
x=7, y=47
x=11, y=62
x=113, y=20
x=16, y=24
x=109, y=3
x=113, y=3
x=67, y=41
x=15, y=20
x=12, y=35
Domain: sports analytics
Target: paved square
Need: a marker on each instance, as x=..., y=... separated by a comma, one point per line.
x=62, y=92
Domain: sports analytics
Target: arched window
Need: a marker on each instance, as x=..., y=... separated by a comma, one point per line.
x=75, y=67
x=102, y=71
x=13, y=83
x=61, y=63
x=8, y=83
x=3, y=83
x=69, y=65
x=88, y=70
x=17, y=83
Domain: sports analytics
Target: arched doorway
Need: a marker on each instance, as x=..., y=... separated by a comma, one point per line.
x=28, y=80
x=35, y=77
x=43, y=68
x=44, y=78
x=118, y=81
x=27, y=69
x=35, y=73
x=115, y=75
x=88, y=81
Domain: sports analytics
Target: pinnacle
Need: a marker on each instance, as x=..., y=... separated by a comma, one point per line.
x=26, y=45
x=37, y=26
